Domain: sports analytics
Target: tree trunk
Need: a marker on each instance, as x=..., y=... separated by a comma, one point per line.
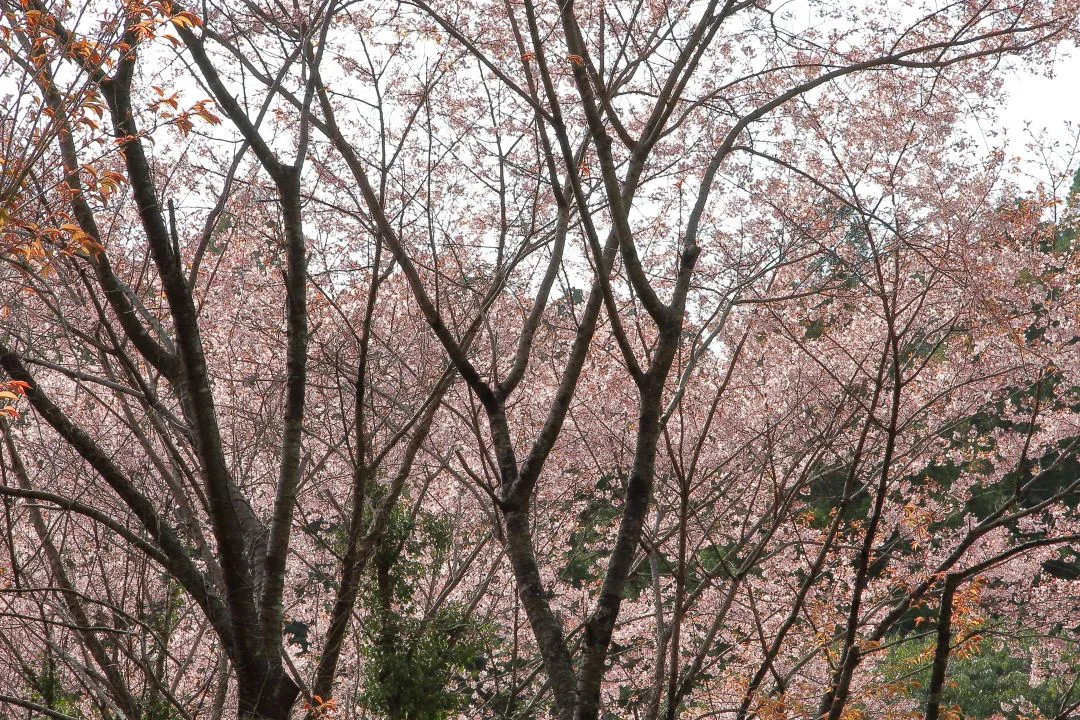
x=271, y=697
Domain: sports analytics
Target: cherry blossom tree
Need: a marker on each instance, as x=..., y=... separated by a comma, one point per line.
x=664, y=359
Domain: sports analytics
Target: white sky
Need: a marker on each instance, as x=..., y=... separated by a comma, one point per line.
x=1045, y=101
x=1044, y=104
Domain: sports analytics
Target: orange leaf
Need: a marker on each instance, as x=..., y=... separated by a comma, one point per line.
x=185, y=20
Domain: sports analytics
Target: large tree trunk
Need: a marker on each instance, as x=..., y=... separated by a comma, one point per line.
x=271, y=697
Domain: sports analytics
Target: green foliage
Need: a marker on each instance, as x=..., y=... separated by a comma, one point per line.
x=417, y=660
x=586, y=546
x=826, y=495
x=1066, y=565
x=630, y=702
x=158, y=708
x=163, y=617
x=47, y=688
x=995, y=678
x=509, y=692
x=584, y=561
x=412, y=665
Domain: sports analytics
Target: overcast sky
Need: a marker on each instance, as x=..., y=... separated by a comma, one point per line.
x=1043, y=103
x=1046, y=100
